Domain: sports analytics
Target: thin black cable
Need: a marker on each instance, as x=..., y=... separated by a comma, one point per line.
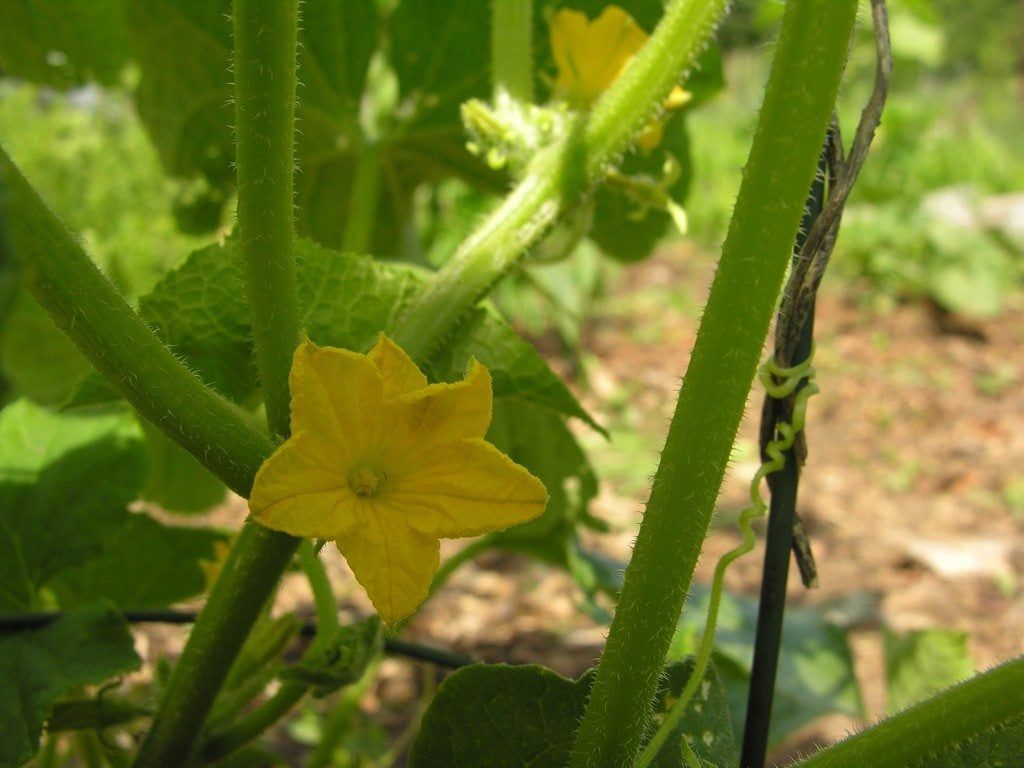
x=19, y=622
x=779, y=539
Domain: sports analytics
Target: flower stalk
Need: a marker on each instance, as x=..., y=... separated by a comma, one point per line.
x=265, y=82
x=556, y=179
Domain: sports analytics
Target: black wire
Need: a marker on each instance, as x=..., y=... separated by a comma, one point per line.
x=19, y=622
x=778, y=541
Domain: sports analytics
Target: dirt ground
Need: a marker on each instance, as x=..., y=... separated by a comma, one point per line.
x=913, y=493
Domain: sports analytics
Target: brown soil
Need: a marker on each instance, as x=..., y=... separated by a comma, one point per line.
x=913, y=493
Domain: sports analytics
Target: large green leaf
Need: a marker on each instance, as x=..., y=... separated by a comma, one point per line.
x=184, y=95
x=64, y=484
x=921, y=663
x=347, y=301
x=36, y=667
x=64, y=43
x=185, y=92
x=498, y=716
x=143, y=564
x=815, y=675
x=35, y=356
x=177, y=482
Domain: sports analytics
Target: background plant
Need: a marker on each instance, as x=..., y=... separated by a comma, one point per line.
x=192, y=311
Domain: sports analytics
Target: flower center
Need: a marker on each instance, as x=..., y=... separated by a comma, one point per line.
x=364, y=483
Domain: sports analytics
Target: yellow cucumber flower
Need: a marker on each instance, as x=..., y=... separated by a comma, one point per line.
x=385, y=465
x=590, y=56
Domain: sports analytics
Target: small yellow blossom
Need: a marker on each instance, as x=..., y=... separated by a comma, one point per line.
x=590, y=56
x=385, y=465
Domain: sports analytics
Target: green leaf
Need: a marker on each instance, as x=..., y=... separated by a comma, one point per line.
x=54, y=514
x=347, y=301
x=815, y=675
x=341, y=659
x=921, y=663
x=184, y=95
x=64, y=43
x=143, y=564
x=624, y=227
x=440, y=52
x=518, y=371
x=35, y=356
x=82, y=648
x=498, y=716
x=707, y=724
x=540, y=441
x=177, y=482
x=185, y=92
x=1001, y=747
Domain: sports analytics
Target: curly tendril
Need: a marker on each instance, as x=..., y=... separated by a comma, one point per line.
x=780, y=383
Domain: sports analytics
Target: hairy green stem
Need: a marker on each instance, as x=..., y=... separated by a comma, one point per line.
x=265, y=81
x=801, y=91
x=557, y=178
x=955, y=716
x=112, y=336
x=247, y=579
x=512, y=49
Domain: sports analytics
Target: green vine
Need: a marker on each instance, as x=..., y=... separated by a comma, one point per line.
x=265, y=80
x=557, y=178
x=776, y=452
x=955, y=716
x=801, y=91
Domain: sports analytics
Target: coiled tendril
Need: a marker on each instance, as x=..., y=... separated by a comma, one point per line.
x=780, y=383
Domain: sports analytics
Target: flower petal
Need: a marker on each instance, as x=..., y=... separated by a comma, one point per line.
x=466, y=489
x=590, y=55
x=438, y=414
x=394, y=562
x=399, y=372
x=298, y=491
x=338, y=395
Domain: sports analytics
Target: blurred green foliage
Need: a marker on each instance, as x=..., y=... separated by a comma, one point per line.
x=950, y=141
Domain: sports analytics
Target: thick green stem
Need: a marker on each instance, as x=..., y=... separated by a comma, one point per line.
x=953, y=717
x=249, y=576
x=265, y=80
x=801, y=91
x=557, y=178
x=512, y=49
x=121, y=346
